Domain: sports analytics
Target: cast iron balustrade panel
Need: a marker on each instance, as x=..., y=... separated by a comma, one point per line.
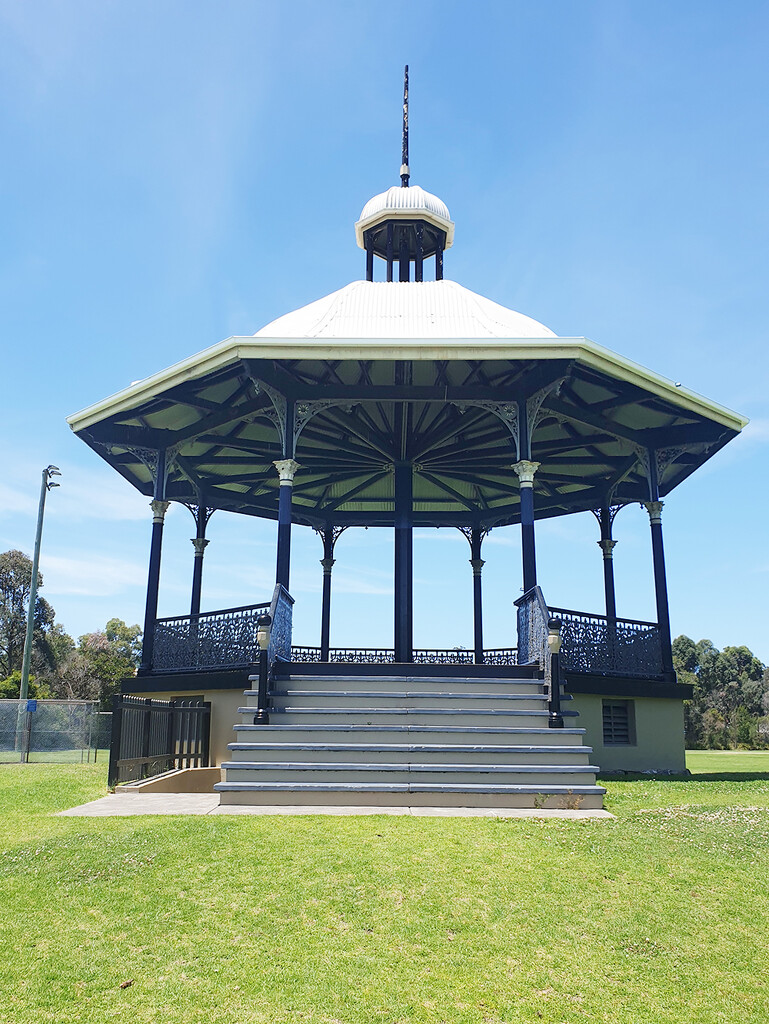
x=612, y=647
x=382, y=656
x=533, y=617
x=282, y=611
x=210, y=640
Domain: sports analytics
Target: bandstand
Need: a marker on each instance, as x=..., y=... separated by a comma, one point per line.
x=400, y=401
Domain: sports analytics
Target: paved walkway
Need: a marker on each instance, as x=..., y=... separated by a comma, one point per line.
x=129, y=804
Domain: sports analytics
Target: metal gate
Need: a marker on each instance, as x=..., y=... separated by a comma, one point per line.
x=152, y=736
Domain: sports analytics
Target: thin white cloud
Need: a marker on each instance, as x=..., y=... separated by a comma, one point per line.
x=90, y=575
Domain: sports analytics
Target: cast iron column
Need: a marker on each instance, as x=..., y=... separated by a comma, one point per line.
x=325, y=614
x=654, y=508
x=201, y=515
x=477, y=564
x=404, y=577
x=159, y=508
x=286, y=471
x=607, y=545
x=525, y=470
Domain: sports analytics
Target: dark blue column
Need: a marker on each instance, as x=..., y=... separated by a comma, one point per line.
x=654, y=508
x=404, y=563
x=286, y=470
x=525, y=470
x=159, y=508
x=199, y=542
x=607, y=545
x=325, y=613
x=477, y=564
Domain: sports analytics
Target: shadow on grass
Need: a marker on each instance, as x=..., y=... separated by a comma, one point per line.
x=694, y=777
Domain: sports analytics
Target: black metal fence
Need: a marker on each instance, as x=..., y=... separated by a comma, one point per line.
x=153, y=736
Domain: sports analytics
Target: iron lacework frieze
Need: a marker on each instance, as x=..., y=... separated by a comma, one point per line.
x=612, y=647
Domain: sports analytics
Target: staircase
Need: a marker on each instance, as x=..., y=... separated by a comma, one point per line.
x=473, y=739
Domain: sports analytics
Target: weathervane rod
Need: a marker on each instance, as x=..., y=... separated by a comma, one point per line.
x=405, y=173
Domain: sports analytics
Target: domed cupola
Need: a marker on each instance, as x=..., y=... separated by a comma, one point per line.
x=405, y=224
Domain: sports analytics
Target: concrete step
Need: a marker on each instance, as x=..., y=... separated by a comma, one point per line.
x=342, y=732
x=289, y=715
x=404, y=753
x=456, y=774
x=576, y=797
x=406, y=699
x=388, y=684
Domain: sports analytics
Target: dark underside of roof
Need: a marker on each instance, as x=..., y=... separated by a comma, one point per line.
x=455, y=421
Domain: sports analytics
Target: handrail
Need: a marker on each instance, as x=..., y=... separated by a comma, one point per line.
x=604, y=618
x=218, y=611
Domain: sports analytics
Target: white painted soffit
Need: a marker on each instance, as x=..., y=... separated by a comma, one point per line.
x=233, y=349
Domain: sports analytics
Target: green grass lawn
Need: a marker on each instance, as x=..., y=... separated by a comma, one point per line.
x=657, y=917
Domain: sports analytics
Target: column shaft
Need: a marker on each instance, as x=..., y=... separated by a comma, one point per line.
x=404, y=574
x=528, y=549
x=660, y=584
x=283, y=566
x=286, y=471
x=159, y=506
x=325, y=614
x=477, y=565
x=607, y=545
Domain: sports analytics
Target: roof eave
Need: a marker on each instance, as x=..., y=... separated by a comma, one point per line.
x=237, y=347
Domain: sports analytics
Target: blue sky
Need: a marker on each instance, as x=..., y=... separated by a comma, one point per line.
x=178, y=172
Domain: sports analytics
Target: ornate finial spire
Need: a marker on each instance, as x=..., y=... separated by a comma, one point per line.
x=405, y=173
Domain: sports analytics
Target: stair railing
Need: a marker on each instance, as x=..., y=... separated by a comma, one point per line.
x=539, y=643
x=273, y=638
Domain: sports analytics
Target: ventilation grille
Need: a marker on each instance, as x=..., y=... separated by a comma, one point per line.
x=618, y=725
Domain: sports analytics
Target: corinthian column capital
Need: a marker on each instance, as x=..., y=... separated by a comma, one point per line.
x=607, y=546
x=654, y=508
x=525, y=470
x=200, y=544
x=159, y=509
x=286, y=471
x=477, y=564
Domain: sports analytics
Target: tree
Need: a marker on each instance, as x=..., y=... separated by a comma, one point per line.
x=112, y=655
x=50, y=644
x=731, y=693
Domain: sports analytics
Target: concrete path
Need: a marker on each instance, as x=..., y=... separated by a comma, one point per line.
x=130, y=804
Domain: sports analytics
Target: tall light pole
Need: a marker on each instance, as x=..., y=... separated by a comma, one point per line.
x=46, y=485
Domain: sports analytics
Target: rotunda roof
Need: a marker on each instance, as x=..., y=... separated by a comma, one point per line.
x=410, y=203
x=378, y=309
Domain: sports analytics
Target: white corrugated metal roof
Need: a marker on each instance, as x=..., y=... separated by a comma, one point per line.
x=379, y=309
x=411, y=203
x=398, y=198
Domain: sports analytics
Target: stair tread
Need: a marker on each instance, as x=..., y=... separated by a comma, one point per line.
x=289, y=709
x=406, y=787
x=411, y=767
x=341, y=727
x=415, y=747
x=402, y=694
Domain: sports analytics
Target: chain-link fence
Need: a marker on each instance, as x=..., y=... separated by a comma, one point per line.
x=53, y=730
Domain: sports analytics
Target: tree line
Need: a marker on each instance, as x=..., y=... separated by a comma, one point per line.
x=730, y=707
x=90, y=668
